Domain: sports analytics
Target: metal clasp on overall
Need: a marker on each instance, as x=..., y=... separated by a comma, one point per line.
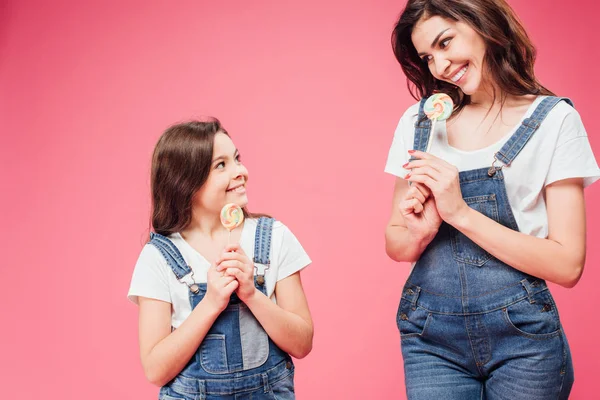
x=493, y=169
x=194, y=288
x=260, y=278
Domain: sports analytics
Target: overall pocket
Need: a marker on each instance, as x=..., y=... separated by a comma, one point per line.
x=537, y=320
x=213, y=354
x=412, y=323
x=236, y=342
x=463, y=248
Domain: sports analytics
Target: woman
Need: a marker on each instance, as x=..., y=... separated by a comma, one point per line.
x=493, y=210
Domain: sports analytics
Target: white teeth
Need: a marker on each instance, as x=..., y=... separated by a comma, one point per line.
x=459, y=74
x=237, y=189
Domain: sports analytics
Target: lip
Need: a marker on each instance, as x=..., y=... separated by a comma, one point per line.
x=456, y=71
x=235, y=187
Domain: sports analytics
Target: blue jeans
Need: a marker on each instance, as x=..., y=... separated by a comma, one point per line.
x=516, y=350
x=471, y=326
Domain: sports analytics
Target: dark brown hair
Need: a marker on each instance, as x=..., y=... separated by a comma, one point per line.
x=509, y=54
x=180, y=166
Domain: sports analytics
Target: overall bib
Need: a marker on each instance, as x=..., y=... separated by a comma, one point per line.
x=471, y=326
x=236, y=360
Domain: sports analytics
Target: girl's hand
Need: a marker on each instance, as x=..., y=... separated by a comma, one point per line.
x=419, y=211
x=442, y=179
x=235, y=263
x=219, y=288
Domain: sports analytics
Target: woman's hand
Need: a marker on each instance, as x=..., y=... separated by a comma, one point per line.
x=442, y=179
x=234, y=263
x=419, y=211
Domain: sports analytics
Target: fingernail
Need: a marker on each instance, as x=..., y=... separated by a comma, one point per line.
x=407, y=176
x=411, y=151
x=405, y=165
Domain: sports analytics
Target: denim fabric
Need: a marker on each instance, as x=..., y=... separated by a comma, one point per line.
x=471, y=326
x=237, y=359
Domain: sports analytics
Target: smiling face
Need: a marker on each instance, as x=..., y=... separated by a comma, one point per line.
x=453, y=51
x=226, y=181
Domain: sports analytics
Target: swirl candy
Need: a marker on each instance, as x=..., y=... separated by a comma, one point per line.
x=232, y=216
x=438, y=107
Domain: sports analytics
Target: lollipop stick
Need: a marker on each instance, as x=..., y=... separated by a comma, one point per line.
x=431, y=133
x=228, y=236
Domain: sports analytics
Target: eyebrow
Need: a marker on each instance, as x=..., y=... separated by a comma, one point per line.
x=236, y=152
x=435, y=40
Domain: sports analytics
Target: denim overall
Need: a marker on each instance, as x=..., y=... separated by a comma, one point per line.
x=236, y=360
x=471, y=326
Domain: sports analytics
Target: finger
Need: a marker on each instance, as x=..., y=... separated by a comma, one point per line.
x=232, y=247
x=414, y=193
x=430, y=158
x=425, y=180
x=423, y=189
x=408, y=206
x=236, y=273
x=418, y=207
x=230, y=264
x=225, y=256
x=427, y=170
x=422, y=163
x=231, y=286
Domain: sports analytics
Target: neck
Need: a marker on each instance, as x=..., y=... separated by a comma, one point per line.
x=206, y=224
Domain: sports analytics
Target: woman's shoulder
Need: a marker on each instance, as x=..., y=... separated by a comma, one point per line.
x=412, y=112
x=564, y=120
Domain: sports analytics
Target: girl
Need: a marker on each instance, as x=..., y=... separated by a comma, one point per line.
x=209, y=326
x=492, y=211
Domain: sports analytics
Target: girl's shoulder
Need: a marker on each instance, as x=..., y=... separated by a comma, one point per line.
x=278, y=226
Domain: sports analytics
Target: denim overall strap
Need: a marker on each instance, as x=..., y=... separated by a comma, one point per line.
x=517, y=142
x=422, y=130
x=262, y=248
x=174, y=259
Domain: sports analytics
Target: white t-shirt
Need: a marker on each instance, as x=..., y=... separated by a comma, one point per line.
x=558, y=150
x=153, y=278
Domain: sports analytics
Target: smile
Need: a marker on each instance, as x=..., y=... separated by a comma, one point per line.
x=237, y=189
x=460, y=74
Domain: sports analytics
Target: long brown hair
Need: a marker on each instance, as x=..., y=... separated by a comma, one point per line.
x=509, y=54
x=180, y=166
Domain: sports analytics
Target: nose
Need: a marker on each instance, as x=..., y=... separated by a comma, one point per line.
x=240, y=171
x=441, y=66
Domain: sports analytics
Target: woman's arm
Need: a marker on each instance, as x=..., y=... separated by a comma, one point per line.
x=413, y=224
x=559, y=258
x=164, y=354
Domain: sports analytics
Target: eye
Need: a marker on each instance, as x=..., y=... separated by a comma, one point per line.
x=444, y=43
x=426, y=59
x=238, y=158
x=220, y=165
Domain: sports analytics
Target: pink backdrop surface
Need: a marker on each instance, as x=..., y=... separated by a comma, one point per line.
x=311, y=94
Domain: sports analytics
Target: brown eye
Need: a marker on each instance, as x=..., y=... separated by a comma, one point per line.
x=444, y=43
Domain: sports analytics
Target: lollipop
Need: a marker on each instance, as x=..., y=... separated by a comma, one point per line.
x=438, y=107
x=232, y=216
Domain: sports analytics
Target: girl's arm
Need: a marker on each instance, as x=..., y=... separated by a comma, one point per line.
x=164, y=354
x=288, y=323
x=560, y=258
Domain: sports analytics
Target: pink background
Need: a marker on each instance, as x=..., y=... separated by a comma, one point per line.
x=311, y=94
